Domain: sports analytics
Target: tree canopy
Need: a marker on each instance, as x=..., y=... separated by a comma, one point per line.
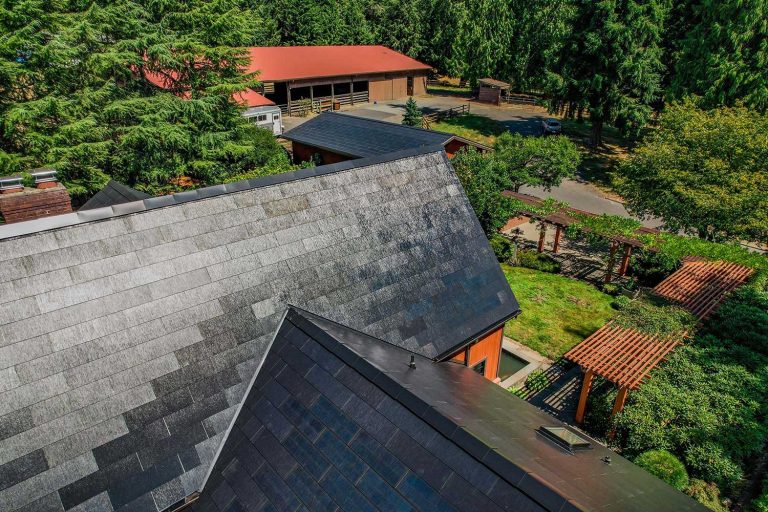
x=535, y=161
x=137, y=91
x=702, y=172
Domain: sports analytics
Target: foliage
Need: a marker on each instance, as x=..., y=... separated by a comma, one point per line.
x=538, y=261
x=277, y=166
x=611, y=289
x=723, y=55
x=413, y=115
x=547, y=207
x=603, y=226
x=652, y=315
x=651, y=267
x=665, y=466
x=743, y=318
x=502, y=247
x=760, y=504
x=620, y=302
x=558, y=312
x=671, y=248
x=75, y=93
x=483, y=183
x=706, y=404
x=518, y=391
x=536, y=161
x=702, y=172
x=610, y=63
x=536, y=381
x=707, y=494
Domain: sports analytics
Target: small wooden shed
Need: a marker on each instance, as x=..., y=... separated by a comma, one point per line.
x=491, y=90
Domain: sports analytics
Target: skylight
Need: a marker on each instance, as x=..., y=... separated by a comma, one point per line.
x=565, y=438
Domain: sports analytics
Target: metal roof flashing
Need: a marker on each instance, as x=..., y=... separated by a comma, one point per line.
x=9, y=231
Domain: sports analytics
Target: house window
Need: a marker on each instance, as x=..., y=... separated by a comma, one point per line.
x=480, y=367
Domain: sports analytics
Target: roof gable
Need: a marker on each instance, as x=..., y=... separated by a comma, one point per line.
x=359, y=137
x=127, y=341
x=279, y=63
x=113, y=193
x=337, y=419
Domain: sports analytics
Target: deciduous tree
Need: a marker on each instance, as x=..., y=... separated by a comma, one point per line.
x=535, y=161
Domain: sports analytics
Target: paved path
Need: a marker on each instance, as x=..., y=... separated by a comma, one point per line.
x=522, y=119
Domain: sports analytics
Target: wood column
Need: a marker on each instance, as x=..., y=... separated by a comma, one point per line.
x=558, y=235
x=311, y=98
x=352, y=91
x=611, y=261
x=618, y=406
x=288, y=88
x=332, y=96
x=542, y=237
x=625, y=260
x=586, y=386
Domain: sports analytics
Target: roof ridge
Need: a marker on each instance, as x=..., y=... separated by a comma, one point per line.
x=381, y=121
x=10, y=231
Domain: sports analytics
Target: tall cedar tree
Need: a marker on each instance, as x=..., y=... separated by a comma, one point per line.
x=75, y=94
x=484, y=39
x=724, y=57
x=610, y=63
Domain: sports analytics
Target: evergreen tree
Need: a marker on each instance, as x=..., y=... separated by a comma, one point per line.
x=441, y=31
x=413, y=115
x=397, y=24
x=610, y=63
x=137, y=91
x=724, y=56
x=484, y=39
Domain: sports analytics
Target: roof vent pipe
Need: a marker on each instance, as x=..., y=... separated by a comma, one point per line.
x=412, y=364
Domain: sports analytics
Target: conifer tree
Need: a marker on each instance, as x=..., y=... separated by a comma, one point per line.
x=413, y=115
x=136, y=91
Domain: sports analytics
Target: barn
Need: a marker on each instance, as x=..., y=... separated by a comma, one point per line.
x=326, y=77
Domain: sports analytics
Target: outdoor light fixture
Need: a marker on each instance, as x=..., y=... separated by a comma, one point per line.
x=565, y=438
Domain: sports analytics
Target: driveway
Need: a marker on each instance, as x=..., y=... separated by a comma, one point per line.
x=522, y=119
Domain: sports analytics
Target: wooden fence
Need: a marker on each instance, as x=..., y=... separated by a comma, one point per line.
x=435, y=117
x=323, y=103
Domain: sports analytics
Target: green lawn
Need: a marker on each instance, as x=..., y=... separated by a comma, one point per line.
x=473, y=127
x=558, y=312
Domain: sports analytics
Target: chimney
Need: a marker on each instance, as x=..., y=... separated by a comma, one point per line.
x=19, y=203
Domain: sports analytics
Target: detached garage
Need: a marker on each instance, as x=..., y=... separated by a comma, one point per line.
x=318, y=78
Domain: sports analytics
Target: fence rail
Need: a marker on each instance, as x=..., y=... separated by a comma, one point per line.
x=428, y=119
x=518, y=99
x=323, y=103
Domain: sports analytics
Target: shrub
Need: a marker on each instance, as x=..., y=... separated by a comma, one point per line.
x=710, y=461
x=611, y=289
x=502, y=247
x=743, y=317
x=654, y=316
x=536, y=381
x=517, y=391
x=708, y=495
x=538, y=261
x=665, y=466
x=621, y=302
x=760, y=504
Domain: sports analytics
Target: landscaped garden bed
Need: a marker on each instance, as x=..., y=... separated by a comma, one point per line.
x=558, y=312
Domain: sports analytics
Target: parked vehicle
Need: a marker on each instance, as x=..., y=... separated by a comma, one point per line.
x=551, y=127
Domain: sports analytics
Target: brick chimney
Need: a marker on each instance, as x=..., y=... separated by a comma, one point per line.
x=19, y=203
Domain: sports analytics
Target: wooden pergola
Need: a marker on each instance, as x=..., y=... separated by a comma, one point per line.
x=699, y=285
x=567, y=216
x=626, y=356
x=621, y=355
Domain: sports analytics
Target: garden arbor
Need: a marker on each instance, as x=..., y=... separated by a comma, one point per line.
x=626, y=356
x=563, y=217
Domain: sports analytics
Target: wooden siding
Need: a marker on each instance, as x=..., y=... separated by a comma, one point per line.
x=419, y=84
x=454, y=146
x=395, y=86
x=487, y=348
x=304, y=152
x=489, y=95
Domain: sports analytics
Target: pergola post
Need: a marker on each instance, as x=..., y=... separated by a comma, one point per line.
x=558, y=235
x=586, y=386
x=611, y=261
x=542, y=237
x=618, y=406
x=625, y=260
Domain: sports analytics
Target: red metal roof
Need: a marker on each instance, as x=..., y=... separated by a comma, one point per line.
x=699, y=286
x=251, y=98
x=280, y=63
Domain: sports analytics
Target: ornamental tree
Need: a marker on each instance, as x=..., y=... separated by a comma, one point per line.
x=536, y=161
x=702, y=172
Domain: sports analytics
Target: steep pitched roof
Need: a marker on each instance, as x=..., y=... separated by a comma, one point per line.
x=278, y=63
x=336, y=420
x=359, y=137
x=129, y=333
x=114, y=193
